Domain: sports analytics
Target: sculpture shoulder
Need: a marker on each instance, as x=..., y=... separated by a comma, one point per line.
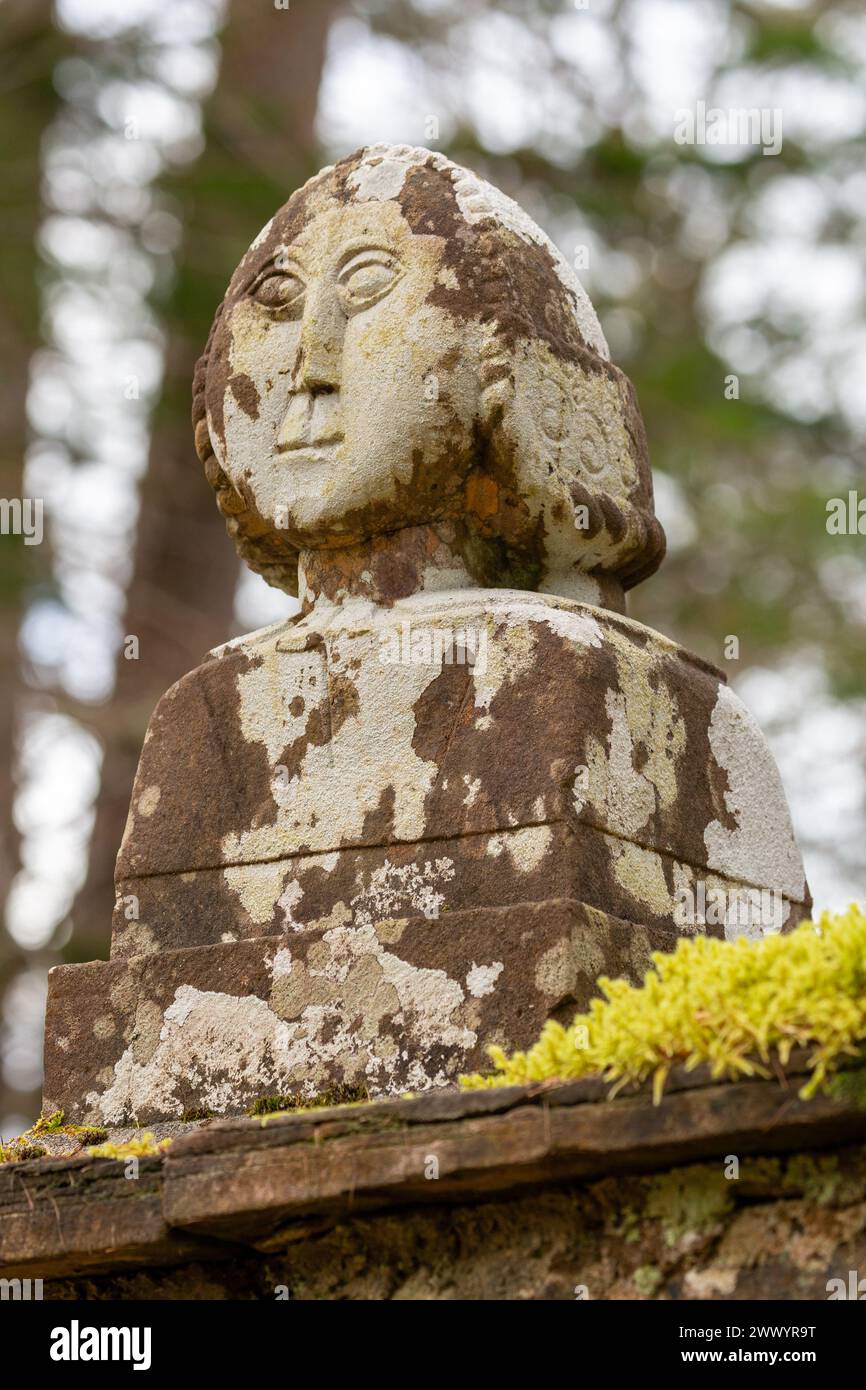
x=575, y=623
x=197, y=751
x=208, y=692
x=755, y=840
x=673, y=756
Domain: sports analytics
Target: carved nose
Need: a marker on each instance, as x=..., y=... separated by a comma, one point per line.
x=313, y=413
x=320, y=347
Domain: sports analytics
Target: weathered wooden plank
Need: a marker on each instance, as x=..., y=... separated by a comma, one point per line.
x=251, y=1190
x=240, y=1184
x=70, y=1215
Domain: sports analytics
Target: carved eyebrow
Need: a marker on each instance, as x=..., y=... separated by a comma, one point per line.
x=359, y=247
x=290, y=261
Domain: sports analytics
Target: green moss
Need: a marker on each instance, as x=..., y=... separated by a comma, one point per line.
x=760, y=1173
x=647, y=1279
x=54, y=1124
x=47, y=1124
x=334, y=1095
x=849, y=1087
x=627, y=1225
x=272, y=1105
x=737, y=1006
x=16, y=1151
x=86, y=1134
x=145, y=1147
x=197, y=1113
x=24, y=1146
x=816, y=1176
x=688, y=1201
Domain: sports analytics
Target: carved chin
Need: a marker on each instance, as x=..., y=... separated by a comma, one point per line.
x=315, y=521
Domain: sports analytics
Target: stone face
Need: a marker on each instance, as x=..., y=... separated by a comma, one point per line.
x=428, y=812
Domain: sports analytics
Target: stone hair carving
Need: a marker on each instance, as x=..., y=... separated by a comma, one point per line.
x=496, y=405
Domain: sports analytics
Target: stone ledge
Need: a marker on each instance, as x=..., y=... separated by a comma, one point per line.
x=237, y=1187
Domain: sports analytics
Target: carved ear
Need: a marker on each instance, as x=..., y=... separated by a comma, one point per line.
x=496, y=377
x=566, y=455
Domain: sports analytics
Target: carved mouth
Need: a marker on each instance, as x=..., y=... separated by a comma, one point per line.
x=314, y=450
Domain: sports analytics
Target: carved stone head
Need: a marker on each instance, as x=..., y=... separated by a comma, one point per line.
x=402, y=346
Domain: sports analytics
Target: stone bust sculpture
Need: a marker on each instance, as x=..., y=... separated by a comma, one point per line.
x=429, y=811
x=402, y=347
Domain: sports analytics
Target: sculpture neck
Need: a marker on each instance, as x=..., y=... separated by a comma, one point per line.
x=430, y=559
x=419, y=559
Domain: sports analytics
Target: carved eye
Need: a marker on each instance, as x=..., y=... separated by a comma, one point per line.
x=367, y=278
x=279, y=291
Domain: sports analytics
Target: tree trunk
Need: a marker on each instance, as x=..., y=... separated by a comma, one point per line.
x=260, y=145
x=30, y=48
x=27, y=104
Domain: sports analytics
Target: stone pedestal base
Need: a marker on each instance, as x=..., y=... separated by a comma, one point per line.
x=399, y=1006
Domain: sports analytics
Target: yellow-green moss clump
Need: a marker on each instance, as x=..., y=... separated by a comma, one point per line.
x=48, y=1124
x=24, y=1146
x=16, y=1151
x=732, y=1004
x=56, y=1124
x=145, y=1147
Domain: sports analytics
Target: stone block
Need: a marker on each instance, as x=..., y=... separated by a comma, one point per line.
x=393, y=1007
